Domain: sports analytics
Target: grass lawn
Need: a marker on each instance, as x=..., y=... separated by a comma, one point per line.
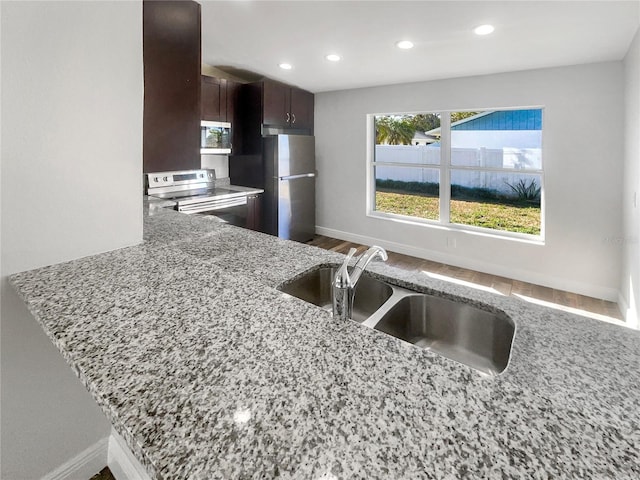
x=479, y=213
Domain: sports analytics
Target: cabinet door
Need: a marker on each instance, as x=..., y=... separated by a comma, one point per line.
x=233, y=93
x=232, y=100
x=171, y=125
x=275, y=103
x=253, y=212
x=214, y=99
x=301, y=109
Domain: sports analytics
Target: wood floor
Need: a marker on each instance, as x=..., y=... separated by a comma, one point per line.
x=104, y=474
x=572, y=302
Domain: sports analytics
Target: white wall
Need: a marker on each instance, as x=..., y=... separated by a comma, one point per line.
x=582, y=154
x=72, y=93
x=630, y=289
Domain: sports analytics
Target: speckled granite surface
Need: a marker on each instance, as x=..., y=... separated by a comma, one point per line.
x=207, y=371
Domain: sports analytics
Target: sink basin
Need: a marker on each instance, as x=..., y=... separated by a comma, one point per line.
x=315, y=287
x=458, y=331
x=468, y=334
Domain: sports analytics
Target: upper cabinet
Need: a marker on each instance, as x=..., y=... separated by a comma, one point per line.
x=171, y=49
x=233, y=90
x=219, y=97
x=268, y=107
x=213, y=92
x=286, y=106
x=301, y=108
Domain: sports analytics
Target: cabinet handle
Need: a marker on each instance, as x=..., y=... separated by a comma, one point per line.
x=293, y=115
x=288, y=117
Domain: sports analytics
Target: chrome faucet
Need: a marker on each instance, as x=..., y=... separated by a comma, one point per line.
x=344, y=285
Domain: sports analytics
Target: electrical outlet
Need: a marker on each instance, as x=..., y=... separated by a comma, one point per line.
x=451, y=242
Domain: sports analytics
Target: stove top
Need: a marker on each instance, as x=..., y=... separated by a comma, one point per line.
x=199, y=194
x=194, y=191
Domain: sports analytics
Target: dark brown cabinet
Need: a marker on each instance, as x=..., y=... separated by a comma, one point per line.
x=254, y=213
x=171, y=50
x=219, y=97
x=233, y=89
x=268, y=105
x=301, y=109
x=213, y=92
x=286, y=106
x=276, y=99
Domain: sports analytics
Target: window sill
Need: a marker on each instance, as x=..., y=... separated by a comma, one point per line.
x=464, y=229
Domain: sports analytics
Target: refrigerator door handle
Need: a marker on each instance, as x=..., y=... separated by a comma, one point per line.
x=293, y=177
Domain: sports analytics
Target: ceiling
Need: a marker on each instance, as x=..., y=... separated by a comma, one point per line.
x=259, y=35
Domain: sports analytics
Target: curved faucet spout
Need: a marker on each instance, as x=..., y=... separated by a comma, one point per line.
x=363, y=261
x=344, y=284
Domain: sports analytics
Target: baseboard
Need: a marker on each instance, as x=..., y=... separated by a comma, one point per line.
x=122, y=463
x=84, y=465
x=623, y=306
x=610, y=294
x=629, y=314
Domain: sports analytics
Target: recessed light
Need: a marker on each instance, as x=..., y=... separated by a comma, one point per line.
x=286, y=66
x=483, y=30
x=332, y=57
x=404, y=44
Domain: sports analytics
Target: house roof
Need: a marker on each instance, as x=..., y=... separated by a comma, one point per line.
x=424, y=136
x=529, y=119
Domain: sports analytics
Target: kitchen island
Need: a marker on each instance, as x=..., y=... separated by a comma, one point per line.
x=207, y=371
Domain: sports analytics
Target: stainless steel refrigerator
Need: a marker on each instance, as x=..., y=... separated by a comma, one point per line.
x=290, y=186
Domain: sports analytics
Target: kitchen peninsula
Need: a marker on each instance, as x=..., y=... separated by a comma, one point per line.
x=206, y=370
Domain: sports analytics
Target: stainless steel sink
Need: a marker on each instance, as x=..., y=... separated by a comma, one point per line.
x=461, y=332
x=467, y=334
x=315, y=287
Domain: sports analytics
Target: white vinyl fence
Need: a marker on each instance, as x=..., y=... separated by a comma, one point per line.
x=427, y=159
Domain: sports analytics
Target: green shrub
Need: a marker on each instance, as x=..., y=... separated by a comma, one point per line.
x=430, y=188
x=524, y=191
x=458, y=191
x=529, y=193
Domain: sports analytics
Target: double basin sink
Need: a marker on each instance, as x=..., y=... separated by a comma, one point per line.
x=470, y=335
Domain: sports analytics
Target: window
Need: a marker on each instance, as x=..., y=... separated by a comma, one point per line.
x=476, y=170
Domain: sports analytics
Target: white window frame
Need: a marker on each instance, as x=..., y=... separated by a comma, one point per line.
x=445, y=168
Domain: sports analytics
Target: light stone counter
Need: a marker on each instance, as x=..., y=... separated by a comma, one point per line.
x=208, y=371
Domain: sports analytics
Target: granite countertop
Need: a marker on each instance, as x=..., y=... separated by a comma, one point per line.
x=208, y=371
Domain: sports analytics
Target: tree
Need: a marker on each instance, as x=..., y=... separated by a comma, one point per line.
x=457, y=116
x=392, y=130
x=423, y=122
x=400, y=130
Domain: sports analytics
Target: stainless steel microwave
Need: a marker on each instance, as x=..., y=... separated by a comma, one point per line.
x=215, y=137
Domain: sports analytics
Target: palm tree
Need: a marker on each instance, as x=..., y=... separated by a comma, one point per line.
x=393, y=131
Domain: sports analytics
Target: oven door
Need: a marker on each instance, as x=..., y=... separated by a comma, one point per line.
x=237, y=215
x=230, y=210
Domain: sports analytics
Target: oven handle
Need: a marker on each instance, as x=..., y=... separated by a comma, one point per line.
x=213, y=205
